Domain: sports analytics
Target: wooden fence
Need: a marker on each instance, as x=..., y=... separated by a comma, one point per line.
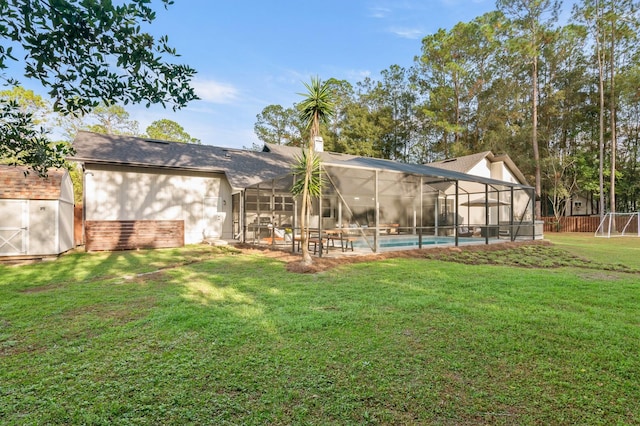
x=78, y=232
x=133, y=234
x=571, y=224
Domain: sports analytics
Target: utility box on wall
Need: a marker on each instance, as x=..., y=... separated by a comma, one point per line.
x=36, y=214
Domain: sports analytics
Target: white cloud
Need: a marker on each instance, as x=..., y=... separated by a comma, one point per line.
x=358, y=74
x=410, y=33
x=214, y=91
x=379, y=12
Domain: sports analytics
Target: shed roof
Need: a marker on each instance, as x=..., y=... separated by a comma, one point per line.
x=241, y=167
x=21, y=183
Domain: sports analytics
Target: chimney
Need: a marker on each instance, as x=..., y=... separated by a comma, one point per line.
x=318, y=144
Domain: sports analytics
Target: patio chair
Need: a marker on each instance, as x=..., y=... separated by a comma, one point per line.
x=465, y=231
x=318, y=242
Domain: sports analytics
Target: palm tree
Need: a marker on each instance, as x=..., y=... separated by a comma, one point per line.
x=317, y=107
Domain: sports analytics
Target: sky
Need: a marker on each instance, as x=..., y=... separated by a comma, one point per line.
x=249, y=54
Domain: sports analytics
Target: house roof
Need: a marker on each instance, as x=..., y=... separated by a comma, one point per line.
x=293, y=152
x=18, y=182
x=242, y=167
x=465, y=163
x=461, y=164
x=446, y=176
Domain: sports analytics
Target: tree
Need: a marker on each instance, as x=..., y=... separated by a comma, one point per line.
x=110, y=120
x=29, y=102
x=458, y=77
x=562, y=183
x=22, y=143
x=590, y=12
x=279, y=126
x=528, y=16
x=83, y=53
x=316, y=108
x=169, y=130
x=23, y=117
x=613, y=26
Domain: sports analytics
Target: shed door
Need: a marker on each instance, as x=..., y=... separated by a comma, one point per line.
x=43, y=227
x=14, y=222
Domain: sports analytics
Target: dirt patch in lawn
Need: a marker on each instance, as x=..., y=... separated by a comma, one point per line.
x=460, y=254
x=524, y=254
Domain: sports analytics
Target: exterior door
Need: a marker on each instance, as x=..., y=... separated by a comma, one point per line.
x=14, y=225
x=213, y=217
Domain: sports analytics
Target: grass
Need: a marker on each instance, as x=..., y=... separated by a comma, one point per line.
x=202, y=335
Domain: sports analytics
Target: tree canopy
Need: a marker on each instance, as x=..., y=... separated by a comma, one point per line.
x=83, y=53
x=169, y=130
x=515, y=81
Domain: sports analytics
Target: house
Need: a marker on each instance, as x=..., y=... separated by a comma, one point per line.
x=141, y=192
x=484, y=164
x=494, y=209
x=36, y=213
x=148, y=193
x=581, y=204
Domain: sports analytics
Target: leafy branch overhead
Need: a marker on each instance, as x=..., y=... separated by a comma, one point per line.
x=85, y=53
x=23, y=143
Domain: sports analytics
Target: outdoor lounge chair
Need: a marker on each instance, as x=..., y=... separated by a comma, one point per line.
x=465, y=231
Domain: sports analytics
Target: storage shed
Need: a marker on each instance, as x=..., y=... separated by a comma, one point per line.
x=36, y=214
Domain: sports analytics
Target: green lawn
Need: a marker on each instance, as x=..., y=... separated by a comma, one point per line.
x=203, y=336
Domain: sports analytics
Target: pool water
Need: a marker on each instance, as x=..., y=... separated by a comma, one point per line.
x=410, y=241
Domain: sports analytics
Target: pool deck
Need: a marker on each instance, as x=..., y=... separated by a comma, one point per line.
x=389, y=243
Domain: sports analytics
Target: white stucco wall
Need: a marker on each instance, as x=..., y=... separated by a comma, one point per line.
x=500, y=171
x=482, y=169
x=202, y=200
x=476, y=215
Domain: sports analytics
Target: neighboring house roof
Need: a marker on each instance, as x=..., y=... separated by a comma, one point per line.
x=465, y=163
x=242, y=168
x=19, y=182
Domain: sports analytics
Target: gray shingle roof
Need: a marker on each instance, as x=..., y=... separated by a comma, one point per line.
x=242, y=168
x=460, y=164
x=293, y=152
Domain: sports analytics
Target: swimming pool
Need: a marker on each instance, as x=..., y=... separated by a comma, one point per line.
x=411, y=241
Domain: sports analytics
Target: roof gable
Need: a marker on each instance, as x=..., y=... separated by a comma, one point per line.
x=466, y=163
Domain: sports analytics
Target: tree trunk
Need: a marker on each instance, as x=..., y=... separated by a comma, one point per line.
x=599, y=53
x=612, y=107
x=534, y=134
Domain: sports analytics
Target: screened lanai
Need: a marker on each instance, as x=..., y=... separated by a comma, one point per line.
x=373, y=205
